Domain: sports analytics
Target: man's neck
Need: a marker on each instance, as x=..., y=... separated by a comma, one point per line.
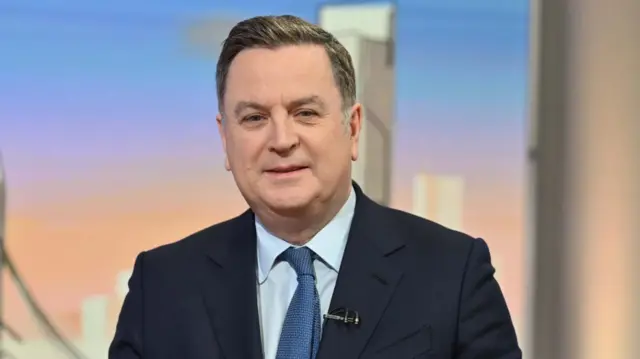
x=300, y=228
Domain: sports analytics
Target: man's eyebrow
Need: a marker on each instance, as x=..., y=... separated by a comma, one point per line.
x=308, y=100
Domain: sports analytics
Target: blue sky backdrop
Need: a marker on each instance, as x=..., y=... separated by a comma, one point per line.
x=106, y=110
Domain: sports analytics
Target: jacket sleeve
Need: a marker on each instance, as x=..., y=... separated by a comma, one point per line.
x=485, y=328
x=127, y=342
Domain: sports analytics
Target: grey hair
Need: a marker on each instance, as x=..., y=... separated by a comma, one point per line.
x=275, y=31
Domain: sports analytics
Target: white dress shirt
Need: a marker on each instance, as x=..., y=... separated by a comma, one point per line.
x=277, y=281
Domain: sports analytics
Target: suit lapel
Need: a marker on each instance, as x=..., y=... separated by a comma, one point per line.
x=229, y=289
x=366, y=281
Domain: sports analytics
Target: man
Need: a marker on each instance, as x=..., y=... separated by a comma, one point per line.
x=259, y=285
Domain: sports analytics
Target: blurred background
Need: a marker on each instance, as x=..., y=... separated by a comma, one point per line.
x=512, y=121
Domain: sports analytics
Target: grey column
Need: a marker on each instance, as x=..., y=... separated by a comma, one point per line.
x=585, y=172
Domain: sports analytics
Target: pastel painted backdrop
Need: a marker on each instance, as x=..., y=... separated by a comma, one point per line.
x=110, y=147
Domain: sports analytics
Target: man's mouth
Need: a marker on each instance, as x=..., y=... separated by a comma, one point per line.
x=285, y=169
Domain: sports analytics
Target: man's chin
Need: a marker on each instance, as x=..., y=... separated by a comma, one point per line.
x=288, y=202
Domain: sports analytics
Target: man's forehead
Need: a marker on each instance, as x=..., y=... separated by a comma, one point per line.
x=286, y=66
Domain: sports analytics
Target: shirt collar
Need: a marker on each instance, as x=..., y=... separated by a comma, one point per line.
x=328, y=244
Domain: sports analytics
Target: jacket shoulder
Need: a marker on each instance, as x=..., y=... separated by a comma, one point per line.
x=428, y=237
x=195, y=243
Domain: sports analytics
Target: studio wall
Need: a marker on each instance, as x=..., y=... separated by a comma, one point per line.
x=110, y=146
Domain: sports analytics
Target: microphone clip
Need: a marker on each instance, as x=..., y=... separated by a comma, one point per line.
x=344, y=315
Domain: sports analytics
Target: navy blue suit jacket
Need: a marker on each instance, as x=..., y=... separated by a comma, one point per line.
x=421, y=290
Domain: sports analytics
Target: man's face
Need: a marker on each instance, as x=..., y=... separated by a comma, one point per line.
x=284, y=131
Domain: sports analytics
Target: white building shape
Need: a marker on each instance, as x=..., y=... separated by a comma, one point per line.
x=440, y=199
x=367, y=31
x=122, y=284
x=95, y=318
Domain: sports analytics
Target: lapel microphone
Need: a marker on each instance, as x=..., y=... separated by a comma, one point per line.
x=344, y=315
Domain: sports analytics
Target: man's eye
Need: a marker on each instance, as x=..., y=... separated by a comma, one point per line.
x=253, y=118
x=306, y=113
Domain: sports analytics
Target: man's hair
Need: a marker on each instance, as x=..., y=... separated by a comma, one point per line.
x=272, y=32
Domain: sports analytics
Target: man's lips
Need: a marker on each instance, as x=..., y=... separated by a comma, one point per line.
x=286, y=169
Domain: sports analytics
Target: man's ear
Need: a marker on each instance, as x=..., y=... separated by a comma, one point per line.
x=223, y=138
x=355, y=125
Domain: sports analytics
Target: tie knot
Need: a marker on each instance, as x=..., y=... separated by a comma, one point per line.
x=301, y=259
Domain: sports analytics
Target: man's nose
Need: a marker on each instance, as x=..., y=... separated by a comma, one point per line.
x=283, y=135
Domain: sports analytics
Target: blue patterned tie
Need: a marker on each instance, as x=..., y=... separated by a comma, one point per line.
x=300, y=336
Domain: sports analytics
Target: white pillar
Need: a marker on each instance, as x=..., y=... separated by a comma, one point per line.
x=586, y=104
x=367, y=32
x=440, y=199
x=94, y=319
